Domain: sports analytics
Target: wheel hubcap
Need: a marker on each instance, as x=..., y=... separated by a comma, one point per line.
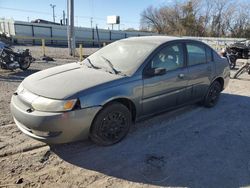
x=214, y=94
x=25, y=64
x=113, y=126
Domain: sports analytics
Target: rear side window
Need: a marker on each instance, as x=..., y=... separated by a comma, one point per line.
x=196, y=54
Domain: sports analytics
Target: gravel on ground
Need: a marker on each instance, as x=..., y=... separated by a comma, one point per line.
x=188, y=147
x=55, y=52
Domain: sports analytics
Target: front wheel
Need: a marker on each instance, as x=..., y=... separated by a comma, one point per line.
x=240, y=71
x=213, y=94
x=24, y=65
x=111, y=124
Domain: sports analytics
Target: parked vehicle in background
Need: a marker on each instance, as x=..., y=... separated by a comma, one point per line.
x=11, y=60
x=119, y=84
x=244, y=69
x=240, y=49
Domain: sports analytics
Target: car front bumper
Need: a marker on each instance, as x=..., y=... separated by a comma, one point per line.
x=53, y=128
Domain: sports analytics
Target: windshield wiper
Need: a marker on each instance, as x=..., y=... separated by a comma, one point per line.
x=92, y=65
x=111, y=65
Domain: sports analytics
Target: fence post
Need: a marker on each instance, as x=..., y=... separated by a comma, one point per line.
x=33, y=34
x=51, y=35
x=93, y=36
x=81, y=52
x=43, y=46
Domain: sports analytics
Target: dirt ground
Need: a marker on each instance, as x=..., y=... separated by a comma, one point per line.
x=189, y=147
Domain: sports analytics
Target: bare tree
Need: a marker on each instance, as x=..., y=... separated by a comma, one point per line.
x=240, y=21
x=152, y=19
x=199, y=18
x=205, y=13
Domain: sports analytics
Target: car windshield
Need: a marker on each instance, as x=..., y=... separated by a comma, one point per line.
x=122, y=56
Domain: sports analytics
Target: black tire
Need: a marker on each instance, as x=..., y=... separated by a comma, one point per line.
x=111, y=124
x=213, y=94
x=240, y=71
x=26, y=63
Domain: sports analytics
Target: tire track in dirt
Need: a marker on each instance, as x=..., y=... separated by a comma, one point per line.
x=189, y=147
x=13, y=141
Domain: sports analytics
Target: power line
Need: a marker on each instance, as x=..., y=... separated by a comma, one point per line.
x=93, y=19
x=24, y=10
x=103, y=19
x=87, y=17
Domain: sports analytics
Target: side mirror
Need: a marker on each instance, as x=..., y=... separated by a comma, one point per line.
x=159, y=71
x=155, y=72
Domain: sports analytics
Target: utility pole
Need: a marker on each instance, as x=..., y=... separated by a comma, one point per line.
x=91, y=22
x=71, y=32
x=64, y=19
x=76, y=21
x=53, y=7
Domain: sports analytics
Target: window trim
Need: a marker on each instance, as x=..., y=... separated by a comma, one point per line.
x=171, y=43
x=195, y=43
x=211, y=53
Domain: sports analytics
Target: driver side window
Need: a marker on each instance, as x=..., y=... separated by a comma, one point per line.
x=170, y=57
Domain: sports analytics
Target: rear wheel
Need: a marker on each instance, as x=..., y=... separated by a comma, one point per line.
x=213, y=94
x=111, y=125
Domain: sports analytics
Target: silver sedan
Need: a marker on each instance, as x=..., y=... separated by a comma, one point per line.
x=121, y=83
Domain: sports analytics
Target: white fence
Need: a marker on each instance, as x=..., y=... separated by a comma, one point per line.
x=58, y=33
x=26, y=32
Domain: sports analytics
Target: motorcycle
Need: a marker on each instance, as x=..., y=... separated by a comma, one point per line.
x=241, y=49
x=243, y=69
x=231, y=58
x=12, y=60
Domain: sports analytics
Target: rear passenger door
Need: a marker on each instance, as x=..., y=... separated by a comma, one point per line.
x=200, y=68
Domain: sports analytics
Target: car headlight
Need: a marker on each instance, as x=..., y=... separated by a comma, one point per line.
x=51, y=105
x=45, y=104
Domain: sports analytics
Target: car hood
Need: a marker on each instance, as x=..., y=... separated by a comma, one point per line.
x=64, y=81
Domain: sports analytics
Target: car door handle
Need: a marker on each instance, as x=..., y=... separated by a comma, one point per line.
x=181, y=76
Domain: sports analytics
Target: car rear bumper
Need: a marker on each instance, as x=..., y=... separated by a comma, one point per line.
x=52, y=127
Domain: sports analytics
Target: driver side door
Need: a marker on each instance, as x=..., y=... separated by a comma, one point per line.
x=164, y=91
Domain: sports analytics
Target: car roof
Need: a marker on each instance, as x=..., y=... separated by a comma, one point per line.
x=157, y=40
